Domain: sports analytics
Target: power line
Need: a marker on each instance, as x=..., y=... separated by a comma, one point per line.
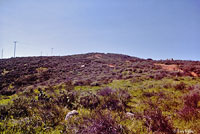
x=51, y=51
x=15, y=45
x=2, y=54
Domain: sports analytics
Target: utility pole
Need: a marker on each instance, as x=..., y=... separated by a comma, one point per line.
x=51, y=51
x=41, y=53
x=2, y=54
x=15, y=45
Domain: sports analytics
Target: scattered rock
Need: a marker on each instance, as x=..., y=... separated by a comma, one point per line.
x=82, y=66
x=96, y=83
x=111, y=65
x=130, y=115
x=70, y=114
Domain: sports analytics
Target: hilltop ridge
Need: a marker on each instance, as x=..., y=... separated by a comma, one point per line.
x=87, y=69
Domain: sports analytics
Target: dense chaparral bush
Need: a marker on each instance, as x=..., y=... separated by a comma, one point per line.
x=114, y=99
x=19, y=108
x=89, y=100
x=156, y=122
x=191, y=107
x=67, y=99
x=180, y=86
x=98, y=122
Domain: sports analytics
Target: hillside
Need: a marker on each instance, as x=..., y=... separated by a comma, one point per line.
x=111, y=93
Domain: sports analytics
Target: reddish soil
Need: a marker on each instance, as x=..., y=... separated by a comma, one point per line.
x=185, y=69
x=194, y=74
x=172, y=67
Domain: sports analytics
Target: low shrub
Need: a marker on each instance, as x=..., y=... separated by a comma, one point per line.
x=114, y=99
x=28, y=125
x=156, y=122
x=180, y=86
x=105, y=92
x=89, y=100
x=19, y=108
x=67, y=99
x=191, y=104
x=4, y=112
x=51, y=114
x=103, y=123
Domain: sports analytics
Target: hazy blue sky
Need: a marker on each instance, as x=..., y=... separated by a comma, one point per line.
x=158, y=29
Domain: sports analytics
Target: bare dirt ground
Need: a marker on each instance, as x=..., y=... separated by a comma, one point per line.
x=174, y=67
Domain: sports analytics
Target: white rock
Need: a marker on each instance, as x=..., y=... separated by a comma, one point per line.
x=70, y=114
x=82, y=65
x=129, y=114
